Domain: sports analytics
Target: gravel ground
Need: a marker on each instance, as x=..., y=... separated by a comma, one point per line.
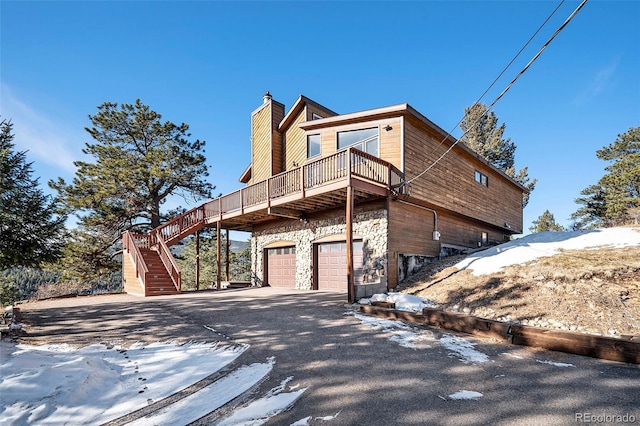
x=595, y=291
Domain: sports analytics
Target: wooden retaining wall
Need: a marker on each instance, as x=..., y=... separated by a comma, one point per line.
x=615, y=349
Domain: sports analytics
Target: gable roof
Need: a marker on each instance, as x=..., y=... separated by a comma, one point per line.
x=297, y=106
x=406, y=110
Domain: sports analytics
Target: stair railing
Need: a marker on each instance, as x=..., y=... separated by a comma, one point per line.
x=169, y=262
x=130, y=246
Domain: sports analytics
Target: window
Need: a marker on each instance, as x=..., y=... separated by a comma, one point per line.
x=315, y=116
x=482, y=179
x=484, y=238
x=365, y=140
x=313, y=145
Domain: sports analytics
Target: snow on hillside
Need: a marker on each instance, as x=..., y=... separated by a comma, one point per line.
x=543, y=244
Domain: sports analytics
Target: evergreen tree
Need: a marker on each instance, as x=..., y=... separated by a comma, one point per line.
x=592, y=213
x=615, y=197
x=485, y=137
x=30, y=231
x=546, y=222
x=9, y=291
x=139, y=162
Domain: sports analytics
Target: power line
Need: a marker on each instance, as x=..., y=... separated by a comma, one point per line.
x=490, y=107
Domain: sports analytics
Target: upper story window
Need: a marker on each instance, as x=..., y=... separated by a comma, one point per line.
x=315, y=116
x=364, y=139
x=313, y=145
x=482, y=179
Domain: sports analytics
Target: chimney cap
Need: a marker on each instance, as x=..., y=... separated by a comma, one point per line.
x=266, y=97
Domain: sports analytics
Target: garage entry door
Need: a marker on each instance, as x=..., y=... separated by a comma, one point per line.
x=332, y=265
x=281, y=267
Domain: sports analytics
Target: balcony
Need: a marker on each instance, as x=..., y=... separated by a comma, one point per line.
x=318, y=185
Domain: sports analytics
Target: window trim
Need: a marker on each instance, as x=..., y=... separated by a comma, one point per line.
x=364, y=148
x=481, y=178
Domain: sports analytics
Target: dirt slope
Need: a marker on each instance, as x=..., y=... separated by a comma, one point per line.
x=592, y=291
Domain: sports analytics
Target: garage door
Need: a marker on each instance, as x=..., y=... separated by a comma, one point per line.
x=281, y=267
x=332, y=265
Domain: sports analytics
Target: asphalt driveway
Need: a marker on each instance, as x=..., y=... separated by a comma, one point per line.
x=355, y=373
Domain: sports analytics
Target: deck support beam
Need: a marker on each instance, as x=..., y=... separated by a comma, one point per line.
x=351, y=294
x=219, y=254
x=226, y=265
x=197, y=260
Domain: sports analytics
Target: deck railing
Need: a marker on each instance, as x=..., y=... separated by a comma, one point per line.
x=285, y=183
x=341, y=165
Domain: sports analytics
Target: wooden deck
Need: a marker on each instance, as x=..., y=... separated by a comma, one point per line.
x=319, y=185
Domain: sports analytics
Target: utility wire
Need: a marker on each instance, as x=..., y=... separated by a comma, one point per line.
x=490, y=107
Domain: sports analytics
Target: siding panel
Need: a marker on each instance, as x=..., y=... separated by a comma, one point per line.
x=451, y=183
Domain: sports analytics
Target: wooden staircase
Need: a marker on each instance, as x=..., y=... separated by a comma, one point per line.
x=149, y=268
x=158, y=279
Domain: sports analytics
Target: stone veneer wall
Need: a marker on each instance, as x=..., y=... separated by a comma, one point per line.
x=372, y=226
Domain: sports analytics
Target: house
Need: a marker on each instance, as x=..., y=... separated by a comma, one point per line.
x=351, y=202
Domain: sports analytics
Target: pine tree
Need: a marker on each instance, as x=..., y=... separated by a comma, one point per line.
x=30, y=231
x=617, y=194
x=485, y=137
x=593, y=211
x=546, y=222
x=139, y=162
x=622, y=182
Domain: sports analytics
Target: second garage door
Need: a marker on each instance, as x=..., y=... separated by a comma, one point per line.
x=332, y=265
x=281, y=267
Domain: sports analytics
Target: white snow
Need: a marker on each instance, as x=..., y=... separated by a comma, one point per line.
x=404, y=302
x=465, y=394
x=59, y=384
x=557, y=364
x=543, y=244
x=399, y=332
x=258, y=412
x=463, y=349
x=418, y=338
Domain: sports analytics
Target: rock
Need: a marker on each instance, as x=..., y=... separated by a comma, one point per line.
x=551, y=285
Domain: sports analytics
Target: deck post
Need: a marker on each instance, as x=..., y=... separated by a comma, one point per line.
x=226, y=266
x=219, y=254
x=351, y=294
x=197, y=260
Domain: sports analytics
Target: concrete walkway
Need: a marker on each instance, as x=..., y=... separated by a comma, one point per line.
x=351, y=369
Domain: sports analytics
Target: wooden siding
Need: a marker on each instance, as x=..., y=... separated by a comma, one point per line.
x=130, y=282
x=266, y=149
x=319, y=110
x=277, y=149
x=295, y=141
x=389, y=141
x=451, y=183
x=458, y=232
x=410, y=232
x=261, y=167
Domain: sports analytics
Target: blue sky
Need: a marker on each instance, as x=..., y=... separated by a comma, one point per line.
x=208, y=63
